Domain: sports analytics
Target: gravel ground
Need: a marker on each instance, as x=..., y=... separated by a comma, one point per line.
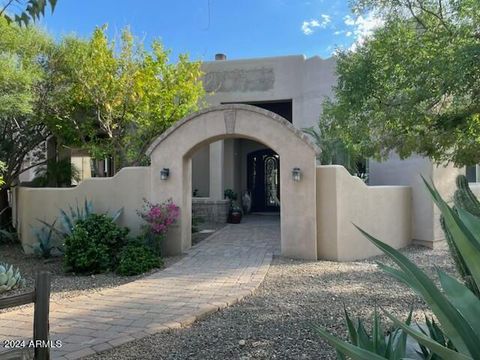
x=63, y=285
x=276, y=322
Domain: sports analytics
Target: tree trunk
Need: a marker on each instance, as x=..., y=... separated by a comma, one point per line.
x=51, y=159
x=5, y=210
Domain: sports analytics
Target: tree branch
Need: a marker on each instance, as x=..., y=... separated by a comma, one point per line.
x=6, y=6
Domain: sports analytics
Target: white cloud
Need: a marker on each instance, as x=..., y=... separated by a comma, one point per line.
x=308, y=27
x=325, y=20
x=362, y=27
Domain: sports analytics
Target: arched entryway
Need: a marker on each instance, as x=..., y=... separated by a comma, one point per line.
x=173, y=150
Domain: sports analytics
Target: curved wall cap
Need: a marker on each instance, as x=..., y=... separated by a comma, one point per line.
x=243, y=107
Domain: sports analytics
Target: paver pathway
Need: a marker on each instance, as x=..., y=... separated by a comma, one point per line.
x=215, y=273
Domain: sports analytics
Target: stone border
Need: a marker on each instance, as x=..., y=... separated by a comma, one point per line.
x=268, y=114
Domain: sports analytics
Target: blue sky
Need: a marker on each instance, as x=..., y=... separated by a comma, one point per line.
x=238, y=28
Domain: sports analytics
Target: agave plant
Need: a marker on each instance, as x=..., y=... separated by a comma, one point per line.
x=436, y=333
x=10, y=279
x=46, y=237
x=456, y=308
x=393, y=346
x=69, y=218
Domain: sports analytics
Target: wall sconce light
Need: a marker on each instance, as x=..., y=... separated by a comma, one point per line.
x=296, y=174
x=164, y=173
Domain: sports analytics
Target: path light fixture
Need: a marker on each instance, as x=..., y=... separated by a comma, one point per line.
x=296, y=174
x=164, y=173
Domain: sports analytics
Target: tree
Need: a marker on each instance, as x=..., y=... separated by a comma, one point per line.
x=23, y=12
x=23, y=53
x=119, y=97
x=414, y=86
x=2, y=167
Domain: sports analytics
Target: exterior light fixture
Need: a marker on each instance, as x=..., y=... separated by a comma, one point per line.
x=164, y=173
x=296, y=174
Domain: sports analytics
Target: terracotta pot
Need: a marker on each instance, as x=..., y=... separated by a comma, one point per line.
x=235, y=217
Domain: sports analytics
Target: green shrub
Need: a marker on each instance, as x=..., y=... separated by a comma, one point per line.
x=94, y=244
x=136, y=258
x=196, y=221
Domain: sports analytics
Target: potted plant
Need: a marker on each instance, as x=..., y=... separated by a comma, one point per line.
x=235, y=212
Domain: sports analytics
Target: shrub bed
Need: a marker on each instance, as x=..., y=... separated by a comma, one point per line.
x=136, y=258
x=94, y=244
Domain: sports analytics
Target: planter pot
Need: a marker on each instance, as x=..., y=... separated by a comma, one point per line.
x=235, y=217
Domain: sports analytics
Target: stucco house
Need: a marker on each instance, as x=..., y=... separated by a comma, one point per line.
x=294, y=87
x=250, y=139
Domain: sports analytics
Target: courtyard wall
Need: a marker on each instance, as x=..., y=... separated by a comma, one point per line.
x=344, y=200
x=125, y=190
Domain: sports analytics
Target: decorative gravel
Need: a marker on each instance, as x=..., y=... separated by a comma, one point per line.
x=277, y=321
x=63, y=285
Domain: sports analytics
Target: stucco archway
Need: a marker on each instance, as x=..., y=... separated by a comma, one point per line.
x=173, y=150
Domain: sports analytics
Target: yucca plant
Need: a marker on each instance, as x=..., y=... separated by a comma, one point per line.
x=456, y=308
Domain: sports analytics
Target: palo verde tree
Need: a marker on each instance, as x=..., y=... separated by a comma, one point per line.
x=23, y=54
x=119, y=96
x=414, y=86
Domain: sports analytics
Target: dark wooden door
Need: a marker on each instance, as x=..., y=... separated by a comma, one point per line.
x=263, y=174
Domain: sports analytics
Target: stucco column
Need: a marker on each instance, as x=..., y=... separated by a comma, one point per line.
x=216, y=170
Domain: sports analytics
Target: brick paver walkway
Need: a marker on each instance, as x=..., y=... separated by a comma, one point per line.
x=216, y=273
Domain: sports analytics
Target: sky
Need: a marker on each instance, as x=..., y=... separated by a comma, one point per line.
x=238, y=28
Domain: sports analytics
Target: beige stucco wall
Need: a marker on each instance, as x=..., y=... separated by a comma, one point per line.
x=201, y=171
x=475, y=187
x=125, y=190
x=344, y=200
x=426, y=229
x=305, y=81
x=174, y=149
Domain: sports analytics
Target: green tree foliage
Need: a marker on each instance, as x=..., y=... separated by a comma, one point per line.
x=334, y=152
x=2, y=167
x=24, y=12
x=24, y=53
x=118, y=96
x=414, y=86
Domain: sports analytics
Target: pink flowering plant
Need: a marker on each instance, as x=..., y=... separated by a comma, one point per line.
x=158, y=218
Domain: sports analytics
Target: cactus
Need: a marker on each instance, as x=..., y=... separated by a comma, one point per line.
x=10, y=279
x=464, y=197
